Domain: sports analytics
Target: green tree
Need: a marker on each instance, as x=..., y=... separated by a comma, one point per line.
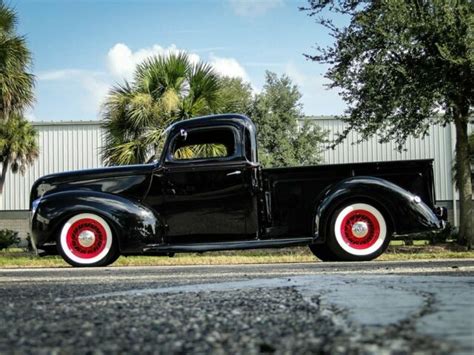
x=16, y=83
x=284, y=137
x=18, y=146
x=404, y=65
x=164, y=89
x=235, y=96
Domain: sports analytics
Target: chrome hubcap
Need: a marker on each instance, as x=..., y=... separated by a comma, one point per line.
x=360, y=229
x=86, y=238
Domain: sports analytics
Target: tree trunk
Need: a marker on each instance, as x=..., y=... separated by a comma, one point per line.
x=3, y=176
x=4, y=116
x=463, y=166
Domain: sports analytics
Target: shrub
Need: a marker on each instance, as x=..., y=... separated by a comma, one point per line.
x=8, y=238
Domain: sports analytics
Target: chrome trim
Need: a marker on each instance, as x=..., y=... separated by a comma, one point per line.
x=237, y=172
x=86, y=238
x=34, y=207
x=360, y=229
x=441, y=213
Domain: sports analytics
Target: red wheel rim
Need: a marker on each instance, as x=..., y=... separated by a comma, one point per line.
x=369, y=232
x=86, y=226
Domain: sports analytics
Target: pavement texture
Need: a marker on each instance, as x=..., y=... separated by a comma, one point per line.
x=423, y=307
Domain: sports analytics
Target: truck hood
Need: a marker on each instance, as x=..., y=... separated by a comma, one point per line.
x=115, y=180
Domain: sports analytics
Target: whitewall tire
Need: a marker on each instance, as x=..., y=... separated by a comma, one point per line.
x=86, y=239
x=359, y=231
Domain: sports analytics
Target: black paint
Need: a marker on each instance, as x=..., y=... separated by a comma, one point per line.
x=229, y=202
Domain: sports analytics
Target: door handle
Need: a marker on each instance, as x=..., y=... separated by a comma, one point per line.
x=237, y=172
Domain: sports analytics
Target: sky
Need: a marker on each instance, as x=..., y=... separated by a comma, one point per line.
x=81, y=48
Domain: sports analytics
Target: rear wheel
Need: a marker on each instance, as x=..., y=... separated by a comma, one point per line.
x=322, y=252
x=358, y=232
x=86, y=239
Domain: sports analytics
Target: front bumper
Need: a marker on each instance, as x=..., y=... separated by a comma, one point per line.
x=32, y=236
x=441, y=213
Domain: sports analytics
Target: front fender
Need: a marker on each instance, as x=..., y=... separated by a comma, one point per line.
x=405, y=212
x=134, y=224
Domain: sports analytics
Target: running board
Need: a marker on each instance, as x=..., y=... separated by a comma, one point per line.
x=244, y=244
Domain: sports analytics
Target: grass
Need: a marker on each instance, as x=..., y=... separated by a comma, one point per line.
x=17, y=258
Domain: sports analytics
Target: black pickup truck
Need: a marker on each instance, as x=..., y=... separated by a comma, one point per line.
x=208, y=192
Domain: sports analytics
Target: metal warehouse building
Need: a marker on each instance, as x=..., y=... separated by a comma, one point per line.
x=76, y=145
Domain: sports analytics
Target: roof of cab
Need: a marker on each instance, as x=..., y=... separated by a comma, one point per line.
x=213, y=119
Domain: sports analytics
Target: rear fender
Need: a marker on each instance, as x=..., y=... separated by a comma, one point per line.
x=405, y=212
x=134, y=224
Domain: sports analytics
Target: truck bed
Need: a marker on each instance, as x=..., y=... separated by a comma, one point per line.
x=291, y=192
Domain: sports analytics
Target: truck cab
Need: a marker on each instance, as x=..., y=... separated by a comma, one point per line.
x=206, y=183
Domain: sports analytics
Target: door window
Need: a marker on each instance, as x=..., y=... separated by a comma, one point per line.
x=203, y=144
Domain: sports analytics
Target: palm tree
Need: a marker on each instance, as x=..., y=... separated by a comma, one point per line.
x=16, y=83
x=164, y=89
x=18, y=146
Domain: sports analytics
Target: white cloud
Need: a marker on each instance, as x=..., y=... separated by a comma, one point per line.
x=228, y=67
x=317, y=98
x=252, y=8
x=94, y=82
x=97, y=88
x=64, y=74
x=265, y=64
x=121, y=64
x=122, y=61
x=298, y=77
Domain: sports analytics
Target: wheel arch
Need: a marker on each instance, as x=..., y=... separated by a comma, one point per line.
x=403, y=212
x=133, y=224
x=75, y=211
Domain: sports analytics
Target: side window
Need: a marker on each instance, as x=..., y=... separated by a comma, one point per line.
x=208, y=143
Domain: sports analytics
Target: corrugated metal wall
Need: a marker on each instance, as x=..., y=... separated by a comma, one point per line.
x=63, y=146
x=438, y=146
x=76, y=145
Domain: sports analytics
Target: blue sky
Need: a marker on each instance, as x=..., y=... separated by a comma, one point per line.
x=82, y=47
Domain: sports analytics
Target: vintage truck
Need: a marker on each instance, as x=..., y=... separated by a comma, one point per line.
x=226, y=200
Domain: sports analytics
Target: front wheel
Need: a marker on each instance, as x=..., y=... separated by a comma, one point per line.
x=86, y=239
x=358, y=232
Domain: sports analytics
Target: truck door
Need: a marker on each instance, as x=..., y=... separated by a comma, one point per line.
x=206, y=197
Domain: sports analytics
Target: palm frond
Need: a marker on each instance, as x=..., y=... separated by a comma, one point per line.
x=204, y=85
x=184, y=153
x=18, y=143
x=158, y=74
x=170, y=100
x=7, y=18
x=140, y=111
x=16, y=82
x=164, y=89
x=126, y=153
x=201, y=151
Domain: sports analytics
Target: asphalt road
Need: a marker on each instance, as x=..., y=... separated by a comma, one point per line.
x=337, y=308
